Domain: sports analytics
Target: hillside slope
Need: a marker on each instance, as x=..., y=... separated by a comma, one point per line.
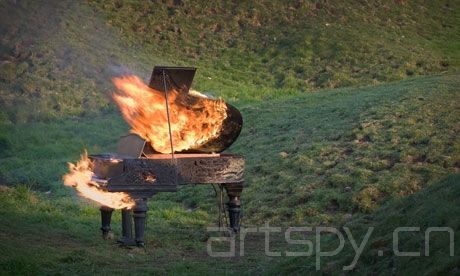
x=316, y=158
x=57, y=57
x=299, y=45
x=49, y=236
x=434, y=207
x=331, y=157
x=319, y=158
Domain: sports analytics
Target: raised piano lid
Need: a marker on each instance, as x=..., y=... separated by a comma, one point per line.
x=180, y=78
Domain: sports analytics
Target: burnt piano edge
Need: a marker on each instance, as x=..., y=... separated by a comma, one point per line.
x=129, y=188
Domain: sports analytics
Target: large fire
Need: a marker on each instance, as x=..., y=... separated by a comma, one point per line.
x=80, y=177
x=194, y=120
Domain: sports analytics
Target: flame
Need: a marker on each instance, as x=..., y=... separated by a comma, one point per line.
x=80, y=177
x=194, y=120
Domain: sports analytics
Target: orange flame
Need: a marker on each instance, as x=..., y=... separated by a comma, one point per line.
x=80, y=177
x=194, y=120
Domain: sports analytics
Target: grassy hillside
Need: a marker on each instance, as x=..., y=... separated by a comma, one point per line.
x=317, y=158
x=300, y=45
x=344, y=156
x=47, y=233
x=57, y=58
x=433, y=207
x=321, y=157
x=43, y=235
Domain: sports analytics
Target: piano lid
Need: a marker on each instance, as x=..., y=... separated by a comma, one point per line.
x=180, y=78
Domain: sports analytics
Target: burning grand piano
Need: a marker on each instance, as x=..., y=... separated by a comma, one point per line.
x=177, y=139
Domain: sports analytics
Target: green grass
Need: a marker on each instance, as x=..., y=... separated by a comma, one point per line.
x=57, y=58
x=346, y=156
x=321, y=157
x=44, y=148
x=295, y=46
x=48, y=235
x=434, y=207
x=318, y=159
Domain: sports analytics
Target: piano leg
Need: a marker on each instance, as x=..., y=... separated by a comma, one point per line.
x=140, y=216
x=234, y=204
x=106, y=217
x=127, y=227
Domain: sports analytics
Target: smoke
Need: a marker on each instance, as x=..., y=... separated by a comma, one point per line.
x=117, y=70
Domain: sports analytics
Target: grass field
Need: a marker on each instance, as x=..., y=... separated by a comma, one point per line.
x=318, y=159
x=57, y=57
x=43, y=235
x=434, y=206
x=351, y=118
